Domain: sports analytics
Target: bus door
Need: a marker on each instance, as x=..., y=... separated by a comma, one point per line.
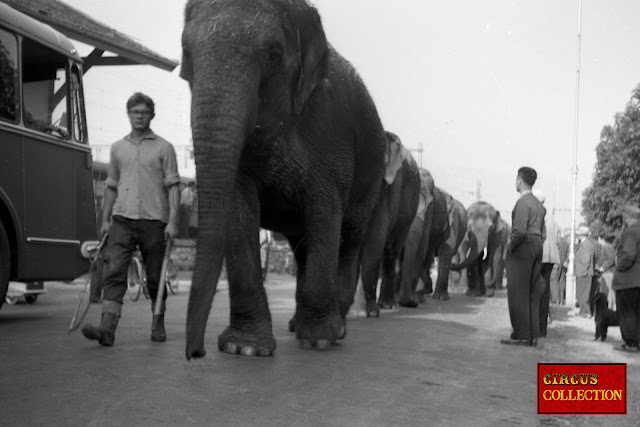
x=59, y=210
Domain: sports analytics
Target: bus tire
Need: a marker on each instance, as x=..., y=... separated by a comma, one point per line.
x=5, y=263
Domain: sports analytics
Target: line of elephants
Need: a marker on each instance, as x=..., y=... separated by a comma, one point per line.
x=286, y=137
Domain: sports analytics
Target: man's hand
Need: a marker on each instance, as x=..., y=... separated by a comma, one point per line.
x=104, y=228
x=171, y=231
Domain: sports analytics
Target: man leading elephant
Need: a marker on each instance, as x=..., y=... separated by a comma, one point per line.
x=524, y=262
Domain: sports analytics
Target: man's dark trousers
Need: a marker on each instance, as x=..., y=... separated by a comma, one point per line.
x=628, y=310
x=524, y=288
x=124, y=234
x=545, y=297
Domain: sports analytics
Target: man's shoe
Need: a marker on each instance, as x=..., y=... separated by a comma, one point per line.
x=158, y=333
x=511, y=341
x=105, y=333
x=628, y=348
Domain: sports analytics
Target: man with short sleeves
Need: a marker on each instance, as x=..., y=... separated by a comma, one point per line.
x=524, y=262
x=140, y=209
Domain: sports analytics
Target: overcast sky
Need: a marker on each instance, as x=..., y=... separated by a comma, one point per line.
x=486, y=86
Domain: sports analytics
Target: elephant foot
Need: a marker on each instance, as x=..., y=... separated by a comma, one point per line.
x=386, y=303
x=441, y=295
x=408, y=302
x=428, y=289
x=245, y=343
x=489, y=292
x=421, y=298
x=292, y=324
x=473, y=293
x=372, y=309
x=321, y=334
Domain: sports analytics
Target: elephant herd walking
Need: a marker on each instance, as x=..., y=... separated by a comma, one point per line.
x=286, y=137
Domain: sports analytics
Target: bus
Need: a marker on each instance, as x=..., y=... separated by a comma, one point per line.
x=47, y=205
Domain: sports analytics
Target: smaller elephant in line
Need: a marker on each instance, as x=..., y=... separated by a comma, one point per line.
x=485, y=232
x=389, y=224
x=446, y=235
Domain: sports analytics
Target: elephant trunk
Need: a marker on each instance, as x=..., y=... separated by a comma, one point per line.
x=221, y=119
x=472, y=256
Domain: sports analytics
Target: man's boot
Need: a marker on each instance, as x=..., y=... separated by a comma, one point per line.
x=158, y=332
x=105, y=333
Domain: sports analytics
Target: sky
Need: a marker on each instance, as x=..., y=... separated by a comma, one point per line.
x=483, y=86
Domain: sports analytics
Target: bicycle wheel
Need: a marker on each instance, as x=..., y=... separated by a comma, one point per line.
x=143, y=280
x=170, y=282
x=84, y=299
x=133, y=281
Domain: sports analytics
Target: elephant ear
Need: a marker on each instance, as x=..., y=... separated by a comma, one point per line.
x=313, y=50
x=393, y=157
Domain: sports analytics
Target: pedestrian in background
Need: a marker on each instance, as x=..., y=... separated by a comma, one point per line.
x=524, y=261
x=626, y=280
x=606, y=264
x=558, y=293
x=140, y=209
x=585, y=265
x=550, y=263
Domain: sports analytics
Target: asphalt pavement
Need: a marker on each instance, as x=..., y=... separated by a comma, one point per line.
x=440, y=364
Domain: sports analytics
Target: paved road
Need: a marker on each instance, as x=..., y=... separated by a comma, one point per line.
x=440, y=364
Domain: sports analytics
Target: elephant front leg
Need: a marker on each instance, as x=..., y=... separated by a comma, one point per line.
x=317, y=320
x=442, y=282
x=250, y=330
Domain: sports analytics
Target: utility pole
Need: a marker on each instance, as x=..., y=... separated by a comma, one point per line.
x=571, y=275
x=478, y=190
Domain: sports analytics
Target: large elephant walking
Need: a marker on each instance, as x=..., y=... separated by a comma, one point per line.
x=447, y=232
x=485, y=229
x=286, y=137
x=390, y=222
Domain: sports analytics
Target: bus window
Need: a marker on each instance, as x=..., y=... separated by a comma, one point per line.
x=8, y=77
x=77, y=106
x=44, y=89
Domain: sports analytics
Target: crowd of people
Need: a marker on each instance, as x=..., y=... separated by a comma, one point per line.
x=538, y=261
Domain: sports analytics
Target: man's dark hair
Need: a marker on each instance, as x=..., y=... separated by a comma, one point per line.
x=528, y=175
x=140, y=98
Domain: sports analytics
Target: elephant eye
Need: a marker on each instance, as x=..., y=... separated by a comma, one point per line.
x=275, y=58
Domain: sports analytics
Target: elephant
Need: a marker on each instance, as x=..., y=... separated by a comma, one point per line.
x=415, y=249
x=286, y=137
x=486, y=231
x=447, y=233
x=389, y=224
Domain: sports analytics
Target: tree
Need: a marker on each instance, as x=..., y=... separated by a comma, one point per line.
x=616, y=180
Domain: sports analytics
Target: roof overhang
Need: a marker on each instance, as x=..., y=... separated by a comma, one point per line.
x=81, y=27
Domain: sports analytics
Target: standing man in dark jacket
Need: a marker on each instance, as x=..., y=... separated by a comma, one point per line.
x=626, y=280
x=524, y=262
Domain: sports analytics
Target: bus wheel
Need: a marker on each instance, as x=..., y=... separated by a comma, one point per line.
x=5, y=264
x=31, y=298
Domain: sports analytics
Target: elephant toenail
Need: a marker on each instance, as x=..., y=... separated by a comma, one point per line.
x=265, y=352
x=230, y=348
x=323, y=344
x=248, y=351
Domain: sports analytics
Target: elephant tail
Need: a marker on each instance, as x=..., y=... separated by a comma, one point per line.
x=472, y=255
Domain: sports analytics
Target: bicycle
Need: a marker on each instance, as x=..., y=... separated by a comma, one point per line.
x=137, y=277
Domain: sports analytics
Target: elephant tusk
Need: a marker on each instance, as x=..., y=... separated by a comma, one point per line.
x=484, y=254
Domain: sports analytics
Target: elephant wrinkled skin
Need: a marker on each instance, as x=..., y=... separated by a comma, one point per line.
x=286, y=137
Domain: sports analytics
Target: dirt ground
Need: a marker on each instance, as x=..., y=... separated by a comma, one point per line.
x=440, y=364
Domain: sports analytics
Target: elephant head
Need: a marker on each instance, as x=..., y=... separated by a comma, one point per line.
x=252, y=66
x=483, y=221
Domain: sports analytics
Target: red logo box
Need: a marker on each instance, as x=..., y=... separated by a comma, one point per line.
x=582, y=388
